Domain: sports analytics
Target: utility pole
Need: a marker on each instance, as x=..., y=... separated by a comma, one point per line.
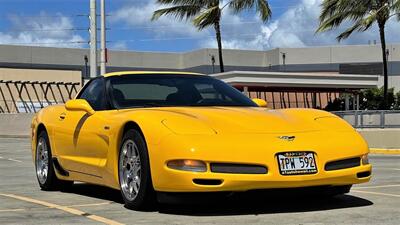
x=93, y=39
x=103, y=53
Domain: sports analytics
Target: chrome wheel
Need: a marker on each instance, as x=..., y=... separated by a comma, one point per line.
x=42, y=160
x=129, y=170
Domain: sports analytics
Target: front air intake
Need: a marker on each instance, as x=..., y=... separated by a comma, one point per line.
x=208, y=182
x=237, y=168
x=343, y=164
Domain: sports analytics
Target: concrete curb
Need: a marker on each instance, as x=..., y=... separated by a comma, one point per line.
x=384, y=151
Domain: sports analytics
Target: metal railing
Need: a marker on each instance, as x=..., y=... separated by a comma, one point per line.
x=371, y=118
x=31, y=96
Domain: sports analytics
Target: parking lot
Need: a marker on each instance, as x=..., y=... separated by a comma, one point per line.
x=22, y=202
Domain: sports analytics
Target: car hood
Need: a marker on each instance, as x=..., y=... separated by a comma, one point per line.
x=192, y=120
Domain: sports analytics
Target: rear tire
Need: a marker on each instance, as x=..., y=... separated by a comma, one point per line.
x=134, y=172
x=44, y=168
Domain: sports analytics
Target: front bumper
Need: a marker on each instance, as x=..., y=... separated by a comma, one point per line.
x=182, y=181
x=255, y=150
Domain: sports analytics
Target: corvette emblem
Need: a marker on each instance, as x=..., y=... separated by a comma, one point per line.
x=287, y=138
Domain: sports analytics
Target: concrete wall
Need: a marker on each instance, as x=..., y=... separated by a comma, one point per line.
x=28, y=55
x=382, y=138
x=15, y=125
x=328, y=59
x=40, y=75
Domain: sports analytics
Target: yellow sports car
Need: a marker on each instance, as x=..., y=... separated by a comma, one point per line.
x=149, y=132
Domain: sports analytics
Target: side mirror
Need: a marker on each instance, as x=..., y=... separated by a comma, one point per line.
x=79, y=105
x=260, y=102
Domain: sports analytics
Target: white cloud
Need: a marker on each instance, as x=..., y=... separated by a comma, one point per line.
x=137, y=15
x=296, y=28
x=42, y=30
x=119, y=45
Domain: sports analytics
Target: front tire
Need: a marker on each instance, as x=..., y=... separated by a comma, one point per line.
x=45, y=173
x=134, y=172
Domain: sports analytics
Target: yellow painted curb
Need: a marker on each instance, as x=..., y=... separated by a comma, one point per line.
x=384, y=151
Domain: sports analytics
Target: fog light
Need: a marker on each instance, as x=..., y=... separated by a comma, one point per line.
x=188, y=165
x=364, y=159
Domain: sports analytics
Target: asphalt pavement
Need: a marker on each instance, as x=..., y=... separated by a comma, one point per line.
x=22, y=202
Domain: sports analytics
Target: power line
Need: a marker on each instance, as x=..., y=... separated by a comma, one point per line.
x=183, y=38
x=46, y=30
x=45, y=43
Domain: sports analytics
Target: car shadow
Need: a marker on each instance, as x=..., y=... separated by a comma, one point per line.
x=95, y=191
x=242, y=203
x=254, y=203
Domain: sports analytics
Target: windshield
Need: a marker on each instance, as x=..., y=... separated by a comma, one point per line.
x=174, y=90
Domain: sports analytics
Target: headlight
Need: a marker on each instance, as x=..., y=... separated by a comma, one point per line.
x=188, y=165
x=364, y=159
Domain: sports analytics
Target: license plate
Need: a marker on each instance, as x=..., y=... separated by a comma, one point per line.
x=293, y=163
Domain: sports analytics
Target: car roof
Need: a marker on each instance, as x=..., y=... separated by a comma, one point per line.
x=124, y=73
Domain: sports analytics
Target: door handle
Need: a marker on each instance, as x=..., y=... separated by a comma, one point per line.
x=62, y=116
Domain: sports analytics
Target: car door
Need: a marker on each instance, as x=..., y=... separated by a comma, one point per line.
x=84, y=137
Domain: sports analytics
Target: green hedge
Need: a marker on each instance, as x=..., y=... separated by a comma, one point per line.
x=370, y=99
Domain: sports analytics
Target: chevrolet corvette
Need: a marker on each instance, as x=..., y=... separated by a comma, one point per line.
x=145, y=133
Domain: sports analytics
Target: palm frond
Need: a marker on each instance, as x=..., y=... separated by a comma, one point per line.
x=207, y=18
x=183, y=2
x=179, y=12
x=239, y=5
x=396, y=6
x=332, y=22
x=349, y=31
x=264, y=10
x=261, y=6
x=360, y=25
x=362, y=13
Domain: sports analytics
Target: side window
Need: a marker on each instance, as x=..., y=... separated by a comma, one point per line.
x=94, y=93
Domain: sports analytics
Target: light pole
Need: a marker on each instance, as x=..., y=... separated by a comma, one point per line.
x=86, y=59
x=213, y=63
x=284, y=60
x=103, y=49
x=93, y=39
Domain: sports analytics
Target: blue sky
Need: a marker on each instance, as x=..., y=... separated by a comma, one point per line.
x=64, y=23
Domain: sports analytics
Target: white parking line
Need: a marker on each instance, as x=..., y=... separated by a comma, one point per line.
x=11, y=210
x=382, y=168
x=380, y=186
x=376, y=193
x=93, y=204
x=63, y=208
x=14, y=160
x=10, y=159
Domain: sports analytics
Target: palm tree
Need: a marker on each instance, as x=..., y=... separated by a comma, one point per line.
x=207, y=13
x=363, y=14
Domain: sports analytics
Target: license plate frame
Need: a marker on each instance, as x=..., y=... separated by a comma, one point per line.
x=296, y=155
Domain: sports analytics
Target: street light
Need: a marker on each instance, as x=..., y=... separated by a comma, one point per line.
x=213, y=63
x=86, y=59
x=284, y=60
